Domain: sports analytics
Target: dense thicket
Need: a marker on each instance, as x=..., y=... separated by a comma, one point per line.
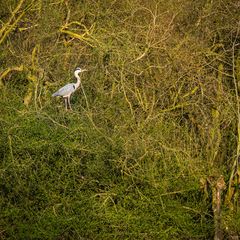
x=142, y=154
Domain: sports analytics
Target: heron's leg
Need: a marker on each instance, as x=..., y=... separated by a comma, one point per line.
x=66, y=103
x=69, y=103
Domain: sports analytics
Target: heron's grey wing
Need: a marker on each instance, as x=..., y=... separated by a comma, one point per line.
x=66, y=90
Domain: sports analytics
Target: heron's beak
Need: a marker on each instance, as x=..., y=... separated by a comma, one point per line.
x=84, y=70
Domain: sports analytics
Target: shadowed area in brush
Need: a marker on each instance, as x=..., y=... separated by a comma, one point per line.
x=150, y=148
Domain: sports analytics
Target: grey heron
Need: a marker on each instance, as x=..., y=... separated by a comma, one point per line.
x=70, y=88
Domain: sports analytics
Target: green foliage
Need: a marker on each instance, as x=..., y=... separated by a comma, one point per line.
x=160, y=117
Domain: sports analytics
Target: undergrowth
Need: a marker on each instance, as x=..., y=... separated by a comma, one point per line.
x=137, y=156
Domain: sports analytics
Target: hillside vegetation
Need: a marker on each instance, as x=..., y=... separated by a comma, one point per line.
x=151, y=151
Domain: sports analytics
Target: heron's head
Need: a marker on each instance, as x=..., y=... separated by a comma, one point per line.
x=78, y=70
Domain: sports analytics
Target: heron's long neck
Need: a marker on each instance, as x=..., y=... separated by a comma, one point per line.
x=78, y=80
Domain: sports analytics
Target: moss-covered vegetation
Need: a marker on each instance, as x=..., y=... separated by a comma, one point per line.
x=141, y=156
